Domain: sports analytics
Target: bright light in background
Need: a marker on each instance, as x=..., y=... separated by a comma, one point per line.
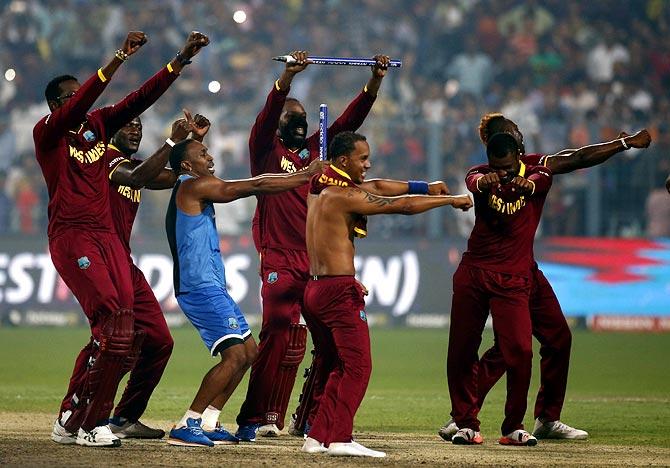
x=239, y=16
x=451, y=87
x=214, y=86
x=10, y=74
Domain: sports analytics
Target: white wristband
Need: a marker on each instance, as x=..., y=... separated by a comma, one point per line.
x=623, y=142
x=169, y=142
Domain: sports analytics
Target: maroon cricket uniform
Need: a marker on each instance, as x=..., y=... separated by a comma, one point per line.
x=279, y=235
x=70, y=144
x=495, y=273
x=551, y=330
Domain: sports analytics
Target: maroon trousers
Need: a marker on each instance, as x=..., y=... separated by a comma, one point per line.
x=552, y=331
x=154, y=355
x=284, y=275
x=475, y=292
x=336, y=312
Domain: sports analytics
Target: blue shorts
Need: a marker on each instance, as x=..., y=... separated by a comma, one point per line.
x=216, y=316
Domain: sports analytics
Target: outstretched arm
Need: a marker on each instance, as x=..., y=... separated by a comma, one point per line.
x=357, y=201
x=393, y=188
x=221, y=191
x=592, y=155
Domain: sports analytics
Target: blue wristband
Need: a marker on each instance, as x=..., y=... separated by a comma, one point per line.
x=417, y=187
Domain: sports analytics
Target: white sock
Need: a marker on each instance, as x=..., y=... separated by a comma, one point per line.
x=188, y=414
x=210, y=417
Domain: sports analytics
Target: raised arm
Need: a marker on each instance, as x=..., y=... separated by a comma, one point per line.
x=139, y=174
x=138, y=101
x=74, y=110
x=265, y=127
x=357, y=201
x=592, y=155
x=354, y=115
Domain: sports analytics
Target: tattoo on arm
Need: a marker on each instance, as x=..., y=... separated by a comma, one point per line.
x=375, y=200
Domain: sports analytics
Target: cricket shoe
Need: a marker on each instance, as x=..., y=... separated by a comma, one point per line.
x=557, y=430
x=313, y=446
x=467, y=436
x=124, y=429
x=518, y=437
x=247, y=433
x=220, y=436
x=352, y=449
x=100, y=436
x=268, y=430
x=448, y=431
x=190, y=435
x=294, y=431
x=61, y=435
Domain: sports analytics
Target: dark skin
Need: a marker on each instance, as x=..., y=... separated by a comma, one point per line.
x=294, y=138
x=667, y=184
x=132, y=44
x=151, y=172
x=505, y=170
x=569, y=160
x=220, y=382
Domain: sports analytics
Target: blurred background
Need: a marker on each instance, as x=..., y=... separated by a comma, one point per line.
x=569, y=72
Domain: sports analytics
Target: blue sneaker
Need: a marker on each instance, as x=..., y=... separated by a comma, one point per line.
x=190, y=435
x=220, y=436
x=247, y=433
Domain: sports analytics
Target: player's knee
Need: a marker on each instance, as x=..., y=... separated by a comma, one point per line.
x=251, y=352
x=235, y=356
x=519, y=354
x=359, y=368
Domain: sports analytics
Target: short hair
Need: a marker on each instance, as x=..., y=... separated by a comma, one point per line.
x=343, y=144
x=178, y=153
x=52, y=91
x=500, y=145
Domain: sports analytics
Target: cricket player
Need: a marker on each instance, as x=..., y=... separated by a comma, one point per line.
x=70, y=144
x=279, y=143
x=200, y=280
x=495, y=273
x=548, y=321
x=334, y=305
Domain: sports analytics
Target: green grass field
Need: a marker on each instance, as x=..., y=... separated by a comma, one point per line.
x=619, y=387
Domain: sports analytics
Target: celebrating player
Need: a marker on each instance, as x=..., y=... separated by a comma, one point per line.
x=279, y=143
x=548, y=321
x=495, y=273
x=200, y=281
x=334, y=305
x=70, y=144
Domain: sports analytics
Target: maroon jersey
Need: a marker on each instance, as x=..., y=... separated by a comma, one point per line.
x=279, y=221
x=124, y=200
x=505, y=222
x=331, y=175
x=70, y=144
x=534, y=159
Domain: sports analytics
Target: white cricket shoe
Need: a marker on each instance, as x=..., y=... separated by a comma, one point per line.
x=61, y=435
x=292, y=430
x=352, y=449
x=268, y=430
x=518, y=438
x=134, y=430
x=448, y=431
x=100, y=436
x=557, y=430
x=313, y=446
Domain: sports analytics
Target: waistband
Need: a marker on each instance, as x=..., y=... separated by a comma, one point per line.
x=324, y=277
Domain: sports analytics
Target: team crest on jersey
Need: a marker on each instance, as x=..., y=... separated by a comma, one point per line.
x=304, y=154
x=83, y=262
x=273, y=277
x=232, y=323
x=363, y=316
x=89, y=136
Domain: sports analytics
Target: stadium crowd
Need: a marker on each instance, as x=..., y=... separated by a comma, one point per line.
x=569, y=72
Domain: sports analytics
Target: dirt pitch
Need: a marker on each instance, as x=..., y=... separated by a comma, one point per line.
x=24, y=440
